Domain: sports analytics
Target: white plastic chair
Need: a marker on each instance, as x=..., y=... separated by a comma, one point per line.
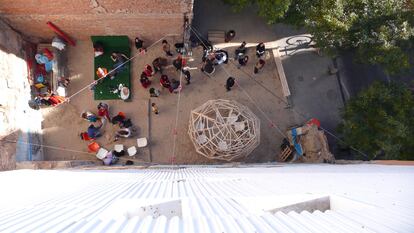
x=142, y=142
x=118, y=147
x=101, y=154
x=132, y=151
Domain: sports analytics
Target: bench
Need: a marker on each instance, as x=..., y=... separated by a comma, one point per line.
x=216, y=36
x=281, y=73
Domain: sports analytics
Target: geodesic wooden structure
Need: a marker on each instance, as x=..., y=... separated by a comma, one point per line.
x=224, y=129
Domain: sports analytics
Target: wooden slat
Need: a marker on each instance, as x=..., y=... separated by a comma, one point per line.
x=281, y=73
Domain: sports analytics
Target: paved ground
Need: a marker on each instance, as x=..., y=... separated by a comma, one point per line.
x=315, y=93
x=356, y=77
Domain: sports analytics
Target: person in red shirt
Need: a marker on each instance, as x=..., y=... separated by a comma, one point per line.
x=165, y=82
x=103, y=110
x=148, y=70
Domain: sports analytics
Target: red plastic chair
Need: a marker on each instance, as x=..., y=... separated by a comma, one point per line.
x=93, y=147
x=84, y=136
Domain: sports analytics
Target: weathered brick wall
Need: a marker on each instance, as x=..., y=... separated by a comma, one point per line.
x=150, y=19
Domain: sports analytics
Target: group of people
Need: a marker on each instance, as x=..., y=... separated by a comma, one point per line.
x=97, y=121
x=158, y=65
x=242, y=58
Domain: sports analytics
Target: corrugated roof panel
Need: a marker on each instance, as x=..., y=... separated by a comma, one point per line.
x=276, y=223
x=291, y=223
x=212, y=199
x=321, y=223
x=306, y=223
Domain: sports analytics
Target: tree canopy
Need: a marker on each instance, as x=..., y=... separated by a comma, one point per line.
x=380, y=122
x=380, y=31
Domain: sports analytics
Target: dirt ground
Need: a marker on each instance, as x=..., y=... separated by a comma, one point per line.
x=62, y=125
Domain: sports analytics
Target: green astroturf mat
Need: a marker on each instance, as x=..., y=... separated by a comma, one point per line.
x=111, y=44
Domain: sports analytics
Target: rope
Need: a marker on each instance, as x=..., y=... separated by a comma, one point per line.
x=176, y=121
x=197, y=34
x=303, y=115
x=111, y=71
x=46, y=146
x=272, y=124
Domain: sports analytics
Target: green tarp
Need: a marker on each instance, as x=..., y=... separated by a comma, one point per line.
x=111, y=44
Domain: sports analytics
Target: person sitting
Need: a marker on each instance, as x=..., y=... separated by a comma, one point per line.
x=103, y=110
x=221, y=57
x=123, y=133
x=175, y=86
x=98, y=48
x=110, y=159
x=120, y=59
x=89, y=116
x=94, y=132
x=148, y=70
x=165, y=82
x=260, y=49
x=145, y=82
x=230, y=35
x=159, y=63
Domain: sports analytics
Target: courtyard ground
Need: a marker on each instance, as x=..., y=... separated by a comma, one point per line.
x=315, y=93
x=62, y=125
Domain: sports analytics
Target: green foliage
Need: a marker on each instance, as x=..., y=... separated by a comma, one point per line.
x=272, y=10
x=380, y=120
x=381, y=31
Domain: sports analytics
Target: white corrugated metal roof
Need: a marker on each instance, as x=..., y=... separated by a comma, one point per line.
x=364, y=198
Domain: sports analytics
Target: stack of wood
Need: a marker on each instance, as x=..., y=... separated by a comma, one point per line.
x=216, y=36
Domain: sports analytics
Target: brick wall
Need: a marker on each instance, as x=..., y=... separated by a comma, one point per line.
x=150, y=19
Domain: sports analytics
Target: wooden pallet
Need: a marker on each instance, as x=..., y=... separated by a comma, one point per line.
x=216, y=36
x=285, y=153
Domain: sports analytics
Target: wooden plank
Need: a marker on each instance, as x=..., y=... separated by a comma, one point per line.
x=216, y=36
x=281, y=73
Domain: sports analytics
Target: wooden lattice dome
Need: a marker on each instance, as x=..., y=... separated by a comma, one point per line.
x=224, y=129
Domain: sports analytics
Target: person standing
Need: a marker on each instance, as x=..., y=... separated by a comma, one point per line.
x=154, y=92
x=166, y=48
x=259, y=65
x=260, y=49
x=230, y=83
x=241, y=50
x=154, y=108
x=139, y=44
x=178, y=62
x=243, y=61
x=187, y=76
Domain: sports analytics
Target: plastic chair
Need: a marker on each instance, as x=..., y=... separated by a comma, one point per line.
x=93, y=147
x=142, y=142
x=132, y=151
x=118, y=147
x=101, y=153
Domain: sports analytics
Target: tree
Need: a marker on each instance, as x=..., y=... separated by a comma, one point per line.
x=380, y=122
x=380, y=31
x=272, y=10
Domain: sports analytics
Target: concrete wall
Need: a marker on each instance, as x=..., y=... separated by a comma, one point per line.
x=150, y=19
x=17, y=120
